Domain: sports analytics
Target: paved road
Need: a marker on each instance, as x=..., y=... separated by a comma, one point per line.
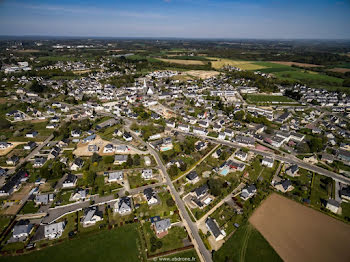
x=289, y=158
x=191, y=227
x=32, y=154
x=55, y=213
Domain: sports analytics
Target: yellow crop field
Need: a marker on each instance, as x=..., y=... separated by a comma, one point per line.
x=218, y=63
x=183, y=62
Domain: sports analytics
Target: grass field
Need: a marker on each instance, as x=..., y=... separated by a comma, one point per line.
x=300, y=233
x=268, y=99
x=189, y=255
x=121, y=244
x=183, y=61
x=246, y=244
x=218, y=63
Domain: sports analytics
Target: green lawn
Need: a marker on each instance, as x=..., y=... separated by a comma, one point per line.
x=4, y=222
x=183, y=256
x=29, y=208
x=268, y=99
x=135, y=180
x=171, y=241
x=318, y=191
x=120, y=244
x=246, y=244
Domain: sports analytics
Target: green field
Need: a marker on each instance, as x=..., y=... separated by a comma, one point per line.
x=181, y=256
x=268, y=99
x=246, y=244
x=311, y=78
x=121, y=244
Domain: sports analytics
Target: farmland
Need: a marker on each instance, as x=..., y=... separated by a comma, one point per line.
x=218, y=63
x=183, y=61
x=246, y=244
x=121, y=244
x=279, y=220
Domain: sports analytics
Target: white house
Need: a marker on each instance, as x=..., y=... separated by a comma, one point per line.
x=214, y=229
x=150, y=196
x=55, y=230
x=115, y=176
x=267, y=161
x=147, y=174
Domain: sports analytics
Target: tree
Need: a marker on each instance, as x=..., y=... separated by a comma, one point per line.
x=89, y=177
x=108, y=160
x=173, y=171
x=4, y=123
x=36, y=87
x=177, y=148
x=170, y=202
x=129, y=161
x=215, y=186
x=57, y=169
x=239, y=115
x=137, y=160
x=95, y=158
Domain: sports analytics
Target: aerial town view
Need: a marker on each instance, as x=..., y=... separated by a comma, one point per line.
x=174, y=130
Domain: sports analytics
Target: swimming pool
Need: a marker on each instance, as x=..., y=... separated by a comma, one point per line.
x=224, y=172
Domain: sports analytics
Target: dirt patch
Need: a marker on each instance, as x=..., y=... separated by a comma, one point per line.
x=299, y=233
x=339, y=70
x=22, y=193
x=296, y=64
x=202, y=74
x=4, y=152
x=28, y=51
x=182, y=62
x=82, y=148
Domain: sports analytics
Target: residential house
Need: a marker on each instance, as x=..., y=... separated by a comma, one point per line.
x=127, y=136
x=192, y=177
x=44, y=199
x=150, y=196
x=214, y=229
x=77, y=164
x=120, y=159
x=147, y=161
x=21, y=231
x=292, y=170
x=248, y=192
x=79, y=194
x=267, y=161
x=123, y=206
x=12, y=161
x=161, y=227
x=54, y=230
x=109, y=148
x=217, y=153
x=284, y=186
x=333, y=205
x=14, y=183
x=32, y=134
x=70, y=181
x=115, y=176
x=241, y=155
x=91, y=216
x=147, y=174
x=30, y=145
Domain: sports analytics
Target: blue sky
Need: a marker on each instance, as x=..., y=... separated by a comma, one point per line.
x=322, y=19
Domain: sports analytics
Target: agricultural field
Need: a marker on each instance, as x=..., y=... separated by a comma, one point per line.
x=246, y=244
x=218, y=63
x=182, y=61
x=278, y=220
x=288, y=63
x=267, y=99
x=120, y=244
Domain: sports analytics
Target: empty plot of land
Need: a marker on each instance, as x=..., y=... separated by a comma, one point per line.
x=295, y=63
x=202, y=74
x=218, y=63
x=299, y=233
x=339, y=70
x=4, y=152
x=182, y=62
